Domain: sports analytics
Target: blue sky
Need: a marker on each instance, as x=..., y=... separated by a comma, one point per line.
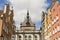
x=59, y=1
x=38, y=24
x=2, y=2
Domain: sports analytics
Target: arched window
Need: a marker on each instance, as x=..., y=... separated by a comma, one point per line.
x=20, y=37
x=25, y=37
x=35, y=37
x=29, y=37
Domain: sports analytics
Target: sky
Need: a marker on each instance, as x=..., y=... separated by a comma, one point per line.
x=3, y=2
x=20, y=7
x=35, y=8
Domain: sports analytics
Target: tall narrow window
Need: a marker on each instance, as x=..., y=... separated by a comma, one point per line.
x=29, y=37
x=20, y=37
x=25, y=37
x=36, y=38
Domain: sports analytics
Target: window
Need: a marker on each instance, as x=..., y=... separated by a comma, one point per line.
x=46, y=37
x=49, y=34
x=59, y=38
x=55, y=39
x=4, y=26
x=55, y=30
x=49, y=26
x=55, y=19
x=36, y=38
x=52, y=22
x=25, y=37
x=30, y=37
x=13, y=37
x=45, y=29
x=58, y=28
x=20, y=37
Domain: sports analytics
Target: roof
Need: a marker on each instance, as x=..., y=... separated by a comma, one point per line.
x=27, y=22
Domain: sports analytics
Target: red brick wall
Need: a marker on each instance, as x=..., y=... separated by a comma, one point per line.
x=56, y=11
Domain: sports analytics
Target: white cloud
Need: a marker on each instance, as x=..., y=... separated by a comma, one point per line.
x=35, y=7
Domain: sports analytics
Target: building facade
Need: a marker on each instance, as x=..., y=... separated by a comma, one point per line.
x=49, y=25
x=45, y=23
x=27, y=30
x=6, y=23
x=56, y=21
x=42, y=33
x=52, y=25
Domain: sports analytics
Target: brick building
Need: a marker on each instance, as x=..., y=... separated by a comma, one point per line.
x=6, y=23
x=55, y=20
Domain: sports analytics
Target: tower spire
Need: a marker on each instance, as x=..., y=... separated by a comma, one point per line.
x=27, y=12
x=28, y=18
x=27, y=15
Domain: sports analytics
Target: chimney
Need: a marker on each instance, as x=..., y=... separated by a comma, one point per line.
x=53, y=2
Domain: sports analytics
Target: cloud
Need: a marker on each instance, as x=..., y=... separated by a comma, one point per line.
x=35, y=9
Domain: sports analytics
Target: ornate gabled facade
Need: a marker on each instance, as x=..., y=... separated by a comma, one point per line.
x=27, y=25
x=6, y=23
x=28, y=31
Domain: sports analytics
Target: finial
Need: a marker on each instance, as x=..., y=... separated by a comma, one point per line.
x=27, y=17
x=28, y=12
x=11, y=7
